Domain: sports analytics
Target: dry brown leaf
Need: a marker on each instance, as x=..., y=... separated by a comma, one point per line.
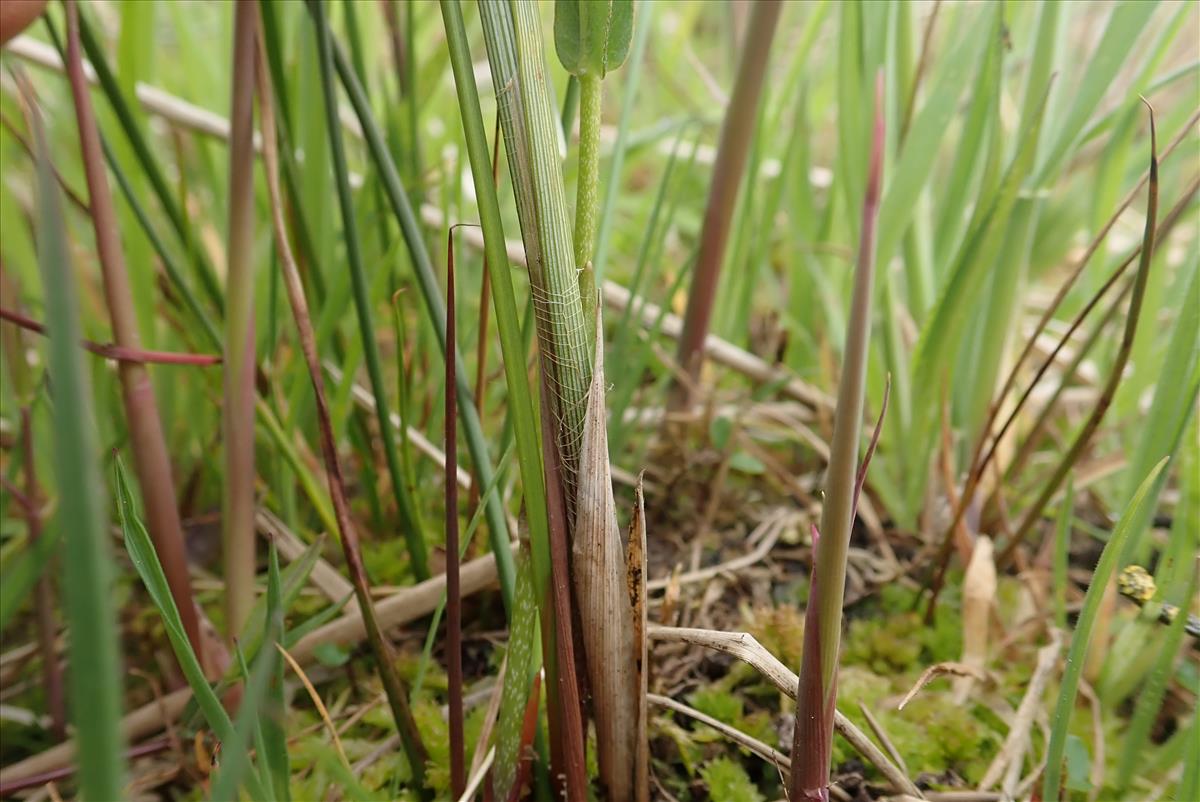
x=599, y=575
x=635, y=567
x=979, y=596
x=949, y=668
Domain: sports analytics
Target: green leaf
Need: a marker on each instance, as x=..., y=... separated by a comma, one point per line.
x=1077, y=655
x=94, y=678
x=145, y=562
x=1079, y=762
x=331, y=655
x=592, y=36
x=746, y=463
x=719, y=431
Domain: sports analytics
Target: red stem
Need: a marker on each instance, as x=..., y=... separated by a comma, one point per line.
x=458, y=780
x=565, y=711
x=151, y=459
x=116, y=352
x=732, y=152
x=394, y=688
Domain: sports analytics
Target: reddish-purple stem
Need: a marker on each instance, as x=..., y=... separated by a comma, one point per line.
x=393, y=685
x=116, y=352
x=458, y=779
x=736, y=133
x=566, y=714
x=151, y=459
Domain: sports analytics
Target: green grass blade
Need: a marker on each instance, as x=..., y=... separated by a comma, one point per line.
x=436, y=309
x=273, y=750
x=913, y=166
x=520, y=407
x=1062, y=554
x=267, y=666
x=94, y=677
x=521, y=662
x=145, y=562
x=1173, y=406
x=150, y=167
x=409, y=516
x=1124, y=25
x=1076, y=657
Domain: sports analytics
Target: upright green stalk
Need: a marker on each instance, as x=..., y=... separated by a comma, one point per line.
x=94, y=676
x=564, y=340
x=521, y=411
x=736, y=134
x=409, y=520
x=812, y=743
x=1051, y=790
x=587, y=196
x=591, y=37
x=150, y=456
x=238, y=412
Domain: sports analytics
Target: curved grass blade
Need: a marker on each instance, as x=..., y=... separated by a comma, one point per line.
x=145, y=562
x=1076, y=657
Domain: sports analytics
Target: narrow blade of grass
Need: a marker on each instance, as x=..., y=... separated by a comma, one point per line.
x=430, y=292
x=93, y=676
x=145, y=562
x=1060, y=724
x=409, y=517
x=397, y=693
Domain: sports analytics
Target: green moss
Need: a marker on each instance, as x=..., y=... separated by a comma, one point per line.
x=727, y=781
x=721, y=705
x=886, y=646
x=780, y=630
